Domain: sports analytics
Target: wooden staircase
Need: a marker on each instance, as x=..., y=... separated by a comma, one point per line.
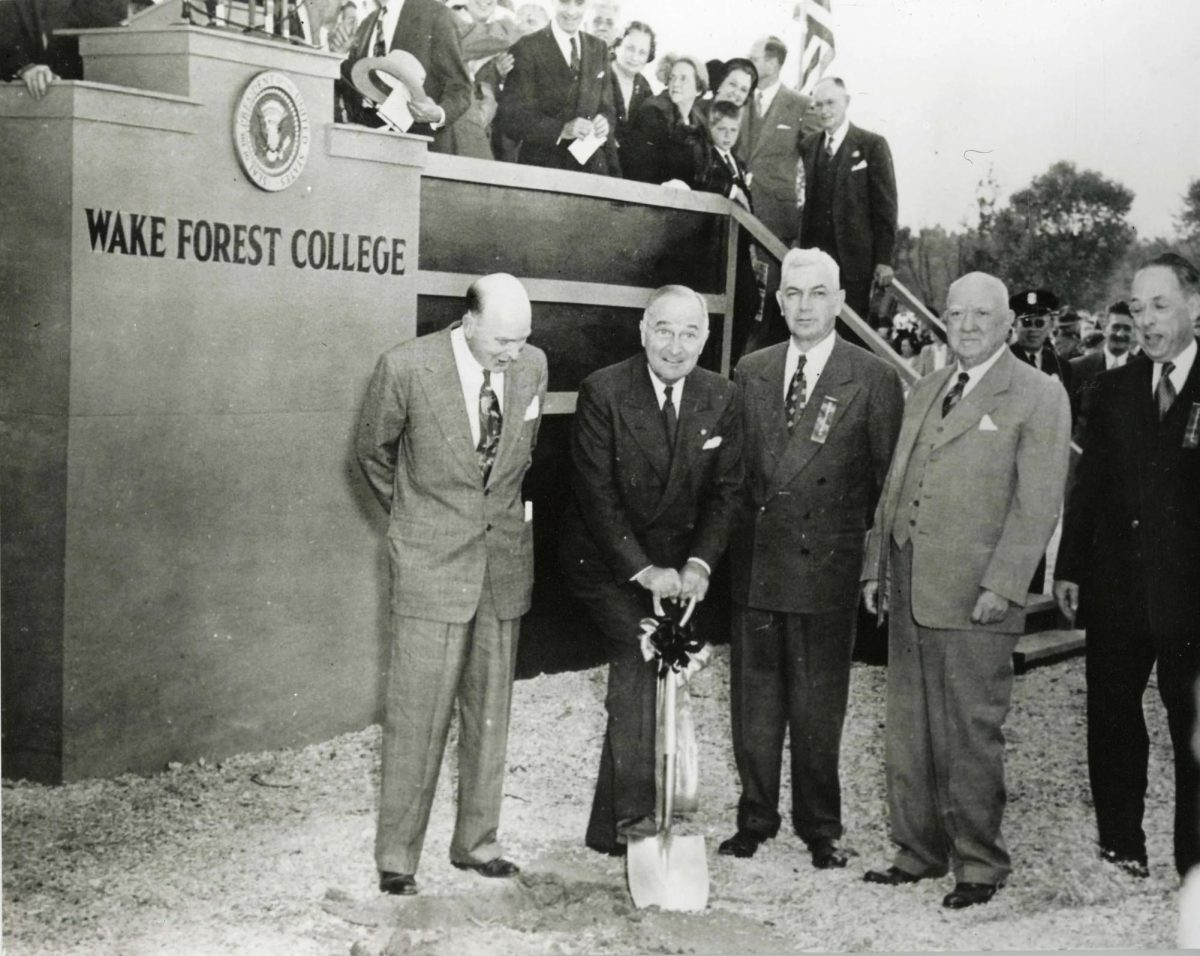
x=1045, y=640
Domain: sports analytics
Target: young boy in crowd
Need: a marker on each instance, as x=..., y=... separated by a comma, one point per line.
x=725, y=173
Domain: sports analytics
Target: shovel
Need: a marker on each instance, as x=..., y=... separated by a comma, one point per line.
x=665, y=870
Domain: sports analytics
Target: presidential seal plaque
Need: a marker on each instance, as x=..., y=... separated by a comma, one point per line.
x=271, y=131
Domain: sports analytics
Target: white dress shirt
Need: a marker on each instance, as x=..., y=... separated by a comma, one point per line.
x=974, y=374
x=660, y=393
x=1183, y=368
x=1114, y=361
x=834, y=140
x=814, y=364
x=470, y=377
x=390, y=17
x=764, y=96
x=563, y=39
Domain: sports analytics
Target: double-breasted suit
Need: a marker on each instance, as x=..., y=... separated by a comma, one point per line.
x=1131, y=541
x=428, y=31
x=795, y=554
x=970, y=502
x=541, y=96
x=636, y=504
x=461, y=557
x=850, y=208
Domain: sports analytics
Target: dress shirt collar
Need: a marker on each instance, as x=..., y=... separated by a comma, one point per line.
x=563, y=39
x=660, y=390
x=765, y=95
x=470, y=377
x=390, y=17
x=976, y=374
x=1183, y=367
x=814, y=363
x=1114, y=361
x=838, y=136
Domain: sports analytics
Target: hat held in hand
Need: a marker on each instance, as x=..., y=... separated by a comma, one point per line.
x=399, y=64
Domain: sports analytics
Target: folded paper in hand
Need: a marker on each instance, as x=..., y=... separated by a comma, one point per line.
x=394, y=110
x=582, y=149
x=532, y=411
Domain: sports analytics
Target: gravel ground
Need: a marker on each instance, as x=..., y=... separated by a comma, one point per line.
x=271, y=853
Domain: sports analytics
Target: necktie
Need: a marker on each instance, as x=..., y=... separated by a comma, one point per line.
x=1165, y=392
x=575, y=55
x=380, y=46
x=490, y=421
x=829, y=146
x=1031, y=358
x=758, y=103
x=795, y=396
x=670, y=419
x=954, y=396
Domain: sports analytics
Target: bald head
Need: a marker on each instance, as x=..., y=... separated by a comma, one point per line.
x=977, y=316
x=498, y=320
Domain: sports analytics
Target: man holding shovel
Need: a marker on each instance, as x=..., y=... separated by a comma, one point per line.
x=656, y=473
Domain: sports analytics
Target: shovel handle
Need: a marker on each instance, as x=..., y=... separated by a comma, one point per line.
x=666, y=686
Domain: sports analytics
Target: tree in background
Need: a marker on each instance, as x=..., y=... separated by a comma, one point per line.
x=1066, y=232
x=1186, y=243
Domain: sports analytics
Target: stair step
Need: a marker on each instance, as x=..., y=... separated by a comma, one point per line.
x=1044, y=646
x=1041, y=613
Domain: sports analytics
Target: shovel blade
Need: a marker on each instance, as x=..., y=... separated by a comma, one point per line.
x=668, y=871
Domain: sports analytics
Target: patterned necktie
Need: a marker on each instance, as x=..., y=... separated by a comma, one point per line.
x=954, y=396
x=380, y=47
x=828, y=146
x=575, y=56
x=670, y=419
x=795, y=396
x=490, y=421
x=1165, y=392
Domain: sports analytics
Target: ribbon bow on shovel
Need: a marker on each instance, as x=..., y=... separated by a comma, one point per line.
x=667, y=870
x=671, y=637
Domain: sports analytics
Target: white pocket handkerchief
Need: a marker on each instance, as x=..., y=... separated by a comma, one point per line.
x=987, y=425
x=856, y=168
x=532, y=411
x=714, y=442
x=782, y=126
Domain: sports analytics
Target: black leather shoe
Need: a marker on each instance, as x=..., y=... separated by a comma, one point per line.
x=398, y=884
x=498, y=868
x=743, y=844
x=892, y=876
x=969, y=894
x=1134, y=866
x=827, y=855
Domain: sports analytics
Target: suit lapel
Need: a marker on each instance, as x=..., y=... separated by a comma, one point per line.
x=642, y=417
x=842, y=161
x=981, y=400
x=768, y=395
x=518, y=392
x=835, y=385
x=553, y=57
x=439, y=379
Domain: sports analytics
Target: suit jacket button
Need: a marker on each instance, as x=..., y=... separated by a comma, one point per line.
x=488, y=528
x=1134, y=523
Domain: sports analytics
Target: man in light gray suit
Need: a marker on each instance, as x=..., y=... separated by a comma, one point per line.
x=970, y=502
x=445, y=438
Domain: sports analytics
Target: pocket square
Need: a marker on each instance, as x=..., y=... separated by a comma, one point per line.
x=713, y=442
x=987, y=425
x=862, y=165
x=532, y=411
x=783, y=126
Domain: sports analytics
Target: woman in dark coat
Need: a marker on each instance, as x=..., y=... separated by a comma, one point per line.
x=667, y=139
x=632, y=52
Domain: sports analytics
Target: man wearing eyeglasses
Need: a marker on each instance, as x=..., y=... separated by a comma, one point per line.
x=1034, y=309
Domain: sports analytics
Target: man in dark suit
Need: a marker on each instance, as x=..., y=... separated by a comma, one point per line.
x=850, y=205
x=970, y=501
x=1129, y=563
x=30, y=50
x=821, y=419
x=427, y=30
x=1118, y=349
x=656, y=450
x=445, y=438
x=560, y=91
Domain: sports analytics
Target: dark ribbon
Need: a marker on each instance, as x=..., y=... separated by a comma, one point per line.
x=672, y=643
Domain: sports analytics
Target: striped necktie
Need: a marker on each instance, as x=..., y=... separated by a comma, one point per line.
x=380, y=46
x=954, y=396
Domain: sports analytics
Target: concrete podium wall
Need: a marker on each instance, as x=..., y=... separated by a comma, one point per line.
x=191, y=565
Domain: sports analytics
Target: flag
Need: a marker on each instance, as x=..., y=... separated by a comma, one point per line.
x=818, y=52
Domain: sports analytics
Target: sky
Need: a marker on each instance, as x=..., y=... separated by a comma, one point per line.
x=1111, y=85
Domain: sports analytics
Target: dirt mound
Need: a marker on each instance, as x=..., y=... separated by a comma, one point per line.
x=552, y=904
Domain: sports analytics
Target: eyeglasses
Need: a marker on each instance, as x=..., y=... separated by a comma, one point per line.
x=1032, y=321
